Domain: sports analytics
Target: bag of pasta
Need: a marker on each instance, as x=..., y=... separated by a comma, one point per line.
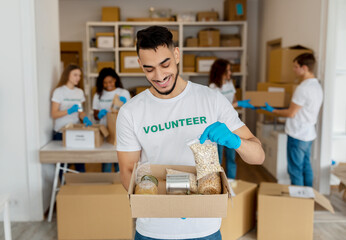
x=210, y=184
x=145, y=182
x=206, y=157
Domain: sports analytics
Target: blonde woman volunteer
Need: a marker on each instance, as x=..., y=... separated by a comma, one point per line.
x=66, y=101
x=108, y=84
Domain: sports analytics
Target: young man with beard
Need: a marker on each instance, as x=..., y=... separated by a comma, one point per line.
x=154, y=126
x=301, y=119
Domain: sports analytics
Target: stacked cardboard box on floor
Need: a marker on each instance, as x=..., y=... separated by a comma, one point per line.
x=282, y=82
x=287, y=212
x=93, y=206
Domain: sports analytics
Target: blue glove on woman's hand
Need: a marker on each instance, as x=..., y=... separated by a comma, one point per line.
x=123, y=99
x=219, y=133
x=268, y=108
x=87, y=122
x=245, y=104
x=102, y=113
x=72, y=109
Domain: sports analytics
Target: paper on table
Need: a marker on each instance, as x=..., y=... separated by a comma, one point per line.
x=301, y=192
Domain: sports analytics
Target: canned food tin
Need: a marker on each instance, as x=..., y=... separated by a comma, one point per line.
x=178, y=183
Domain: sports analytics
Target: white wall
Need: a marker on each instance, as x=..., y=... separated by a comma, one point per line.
x=22, y=128
x=298, y=22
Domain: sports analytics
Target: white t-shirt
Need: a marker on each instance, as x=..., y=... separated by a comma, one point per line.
x=161, y=128
x=309, y=95
x=106, y=100
x=67, y=98
x=227, y=89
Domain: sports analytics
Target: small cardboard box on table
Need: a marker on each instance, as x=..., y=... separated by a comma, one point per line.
x=163, y=205
x=80, y=136
x=93, y=206
x=287, y=212
x=241, y=211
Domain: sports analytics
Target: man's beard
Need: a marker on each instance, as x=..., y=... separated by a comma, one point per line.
x=171, y=90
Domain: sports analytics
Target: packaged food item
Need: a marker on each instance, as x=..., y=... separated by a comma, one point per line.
x=206, y=157
x=210, y=184
x=192, y=178
x=143, y=169
x=116, y=103
x=178, y=183
x=147, y=185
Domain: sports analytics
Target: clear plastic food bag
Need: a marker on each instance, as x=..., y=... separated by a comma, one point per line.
x=145, y=182
x=210, y=184
x=206, y=157
x=192, y=178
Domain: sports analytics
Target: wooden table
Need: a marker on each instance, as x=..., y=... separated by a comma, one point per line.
x=55, y=153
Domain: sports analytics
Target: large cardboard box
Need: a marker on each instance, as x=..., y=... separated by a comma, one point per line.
x=282, y=216
x=111, y=125
x=288, y=88
x=274, y=99
x=129, y=62
x=163, y=205
x=101, y=65
x=93, y=206
x=209, y=38
x=80, y=136
x=241, y=212
x=207, y=16
x=203, y=64
x=105, y=40
x=281, y=64
x=110, y=14
x=234, y=10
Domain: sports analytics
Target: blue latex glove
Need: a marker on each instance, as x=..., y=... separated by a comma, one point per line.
x=87, y=122
x=268, y=108
x=72, y=109
x=245, y=104
x=219, y=133
x=123, y=99
x=102, y=113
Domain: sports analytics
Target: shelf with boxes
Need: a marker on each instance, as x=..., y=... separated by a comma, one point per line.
x=112, y=44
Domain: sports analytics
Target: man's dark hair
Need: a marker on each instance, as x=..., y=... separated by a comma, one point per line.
x=306, y=59
x=153, y=37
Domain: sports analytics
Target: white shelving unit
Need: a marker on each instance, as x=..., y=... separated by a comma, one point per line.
x=185, y=29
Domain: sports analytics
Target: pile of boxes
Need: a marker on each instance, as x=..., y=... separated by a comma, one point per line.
x=282, y=81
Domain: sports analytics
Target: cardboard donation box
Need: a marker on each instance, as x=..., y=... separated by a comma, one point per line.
x=274, y=99
x=208, y=16
x=281, y=64
x=105, y=40
x=110, y=14
x=79, y=136
x=209, y=38
x=340, y=172
x=203, y=64
x=93, y=206
x=163, y=205
x=234, y=10
x=241, y=213
x=287, y=212
x=129, y=63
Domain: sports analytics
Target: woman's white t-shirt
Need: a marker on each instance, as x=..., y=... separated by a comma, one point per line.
x=309, y=96
x=105, y=102
x=67, y=97
x=227, y=89
x=160, y=128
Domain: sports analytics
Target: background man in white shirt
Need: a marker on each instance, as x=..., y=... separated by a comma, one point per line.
x=155, y=125
x=301, y=116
